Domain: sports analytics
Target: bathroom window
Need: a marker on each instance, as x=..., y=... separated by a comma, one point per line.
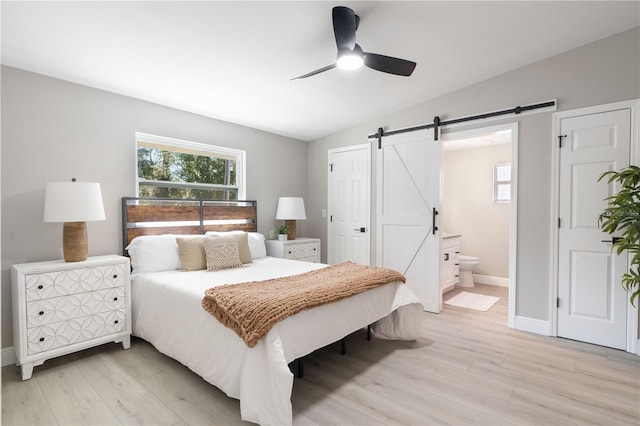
x=502, y=183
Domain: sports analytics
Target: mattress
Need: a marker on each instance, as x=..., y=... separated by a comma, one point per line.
x=167, y=312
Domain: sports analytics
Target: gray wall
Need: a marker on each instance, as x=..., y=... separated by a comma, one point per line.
x=601, y=72
x=54, y=130
x=467, y=206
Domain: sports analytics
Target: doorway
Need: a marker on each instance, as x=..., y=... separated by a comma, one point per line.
x=480, y=204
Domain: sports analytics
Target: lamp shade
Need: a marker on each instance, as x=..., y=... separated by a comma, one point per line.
x=291, y=208
x=73, y=202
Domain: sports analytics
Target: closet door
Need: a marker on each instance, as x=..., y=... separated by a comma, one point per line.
x=349, y=191
x=592, y=304
x=408, y=199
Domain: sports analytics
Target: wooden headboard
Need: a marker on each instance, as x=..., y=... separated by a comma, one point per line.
x=156, y=216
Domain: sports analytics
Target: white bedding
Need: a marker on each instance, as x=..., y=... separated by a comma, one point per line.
x=167, y=312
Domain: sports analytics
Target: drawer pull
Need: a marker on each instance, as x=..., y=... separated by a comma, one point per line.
x=314, y=249
x=42, y=339
x=115, y=299
x=115, y=322
x=115, y=276
x=40, y=287
x=41, y=313
x=289, y=251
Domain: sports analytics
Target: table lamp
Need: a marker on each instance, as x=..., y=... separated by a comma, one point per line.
x=291, y=209
x=74, y=204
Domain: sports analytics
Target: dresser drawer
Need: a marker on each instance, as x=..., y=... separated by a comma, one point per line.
x=64, y=333
x=48, y=311
x=300, y=251
x=61, y=283
x=305, y=249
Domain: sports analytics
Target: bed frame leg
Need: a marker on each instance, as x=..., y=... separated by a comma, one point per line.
x=300, y=368
x=343, y=347
x=369, y=332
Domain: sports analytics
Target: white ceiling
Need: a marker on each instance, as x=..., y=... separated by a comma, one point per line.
x=234, y=60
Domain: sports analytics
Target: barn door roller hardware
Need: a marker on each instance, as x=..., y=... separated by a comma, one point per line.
x=437, y=122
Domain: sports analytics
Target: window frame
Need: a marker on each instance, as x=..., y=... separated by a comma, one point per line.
x=497, y=183
x=179, y=145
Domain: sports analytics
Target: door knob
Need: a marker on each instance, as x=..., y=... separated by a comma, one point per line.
x=613, y=240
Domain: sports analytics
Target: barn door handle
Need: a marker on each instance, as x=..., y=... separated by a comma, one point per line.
x=613, y=240
x=434, y=228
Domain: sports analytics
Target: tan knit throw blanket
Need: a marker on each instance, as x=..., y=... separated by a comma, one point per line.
x=251, y=309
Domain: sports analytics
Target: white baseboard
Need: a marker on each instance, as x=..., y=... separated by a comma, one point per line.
x=532, y=325
x=8, y=356
x=488, y=279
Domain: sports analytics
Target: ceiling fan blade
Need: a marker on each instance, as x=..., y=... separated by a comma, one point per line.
x=318, y=71
x=345, y=24
x=388, y=64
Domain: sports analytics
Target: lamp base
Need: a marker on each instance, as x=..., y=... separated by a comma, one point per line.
x=74, y=241
x=291, y=224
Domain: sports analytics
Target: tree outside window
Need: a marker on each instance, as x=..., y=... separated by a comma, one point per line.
x=178, y=169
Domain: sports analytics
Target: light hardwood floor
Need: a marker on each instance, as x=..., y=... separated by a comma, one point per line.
x=467, y=368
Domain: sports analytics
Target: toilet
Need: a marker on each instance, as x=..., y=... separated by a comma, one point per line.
x=467, y=265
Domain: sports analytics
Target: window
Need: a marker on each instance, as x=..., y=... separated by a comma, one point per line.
x=172, y=168
x=502, y=183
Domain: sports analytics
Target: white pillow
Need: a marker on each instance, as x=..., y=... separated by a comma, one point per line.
x=154, y=253
x=257, y=245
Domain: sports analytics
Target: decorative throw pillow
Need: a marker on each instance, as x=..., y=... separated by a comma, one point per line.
x=191, y=251
x=243, y=243
x=221, y=253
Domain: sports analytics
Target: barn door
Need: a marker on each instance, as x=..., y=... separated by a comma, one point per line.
x=408, y=201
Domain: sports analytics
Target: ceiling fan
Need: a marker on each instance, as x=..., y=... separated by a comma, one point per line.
x=351, y=55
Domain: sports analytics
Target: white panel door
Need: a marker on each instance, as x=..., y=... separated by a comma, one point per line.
x=592, y=302
x=408, y=198
x=349, y=205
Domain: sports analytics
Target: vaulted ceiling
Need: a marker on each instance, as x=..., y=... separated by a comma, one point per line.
x=234, y=60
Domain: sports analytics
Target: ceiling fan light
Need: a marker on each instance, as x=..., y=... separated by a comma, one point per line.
x=350, y=61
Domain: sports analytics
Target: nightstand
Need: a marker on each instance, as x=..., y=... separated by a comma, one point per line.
x=306, y=249
x=62, y=307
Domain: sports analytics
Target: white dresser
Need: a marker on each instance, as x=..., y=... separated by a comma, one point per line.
x=62, y=307
x=306, y=249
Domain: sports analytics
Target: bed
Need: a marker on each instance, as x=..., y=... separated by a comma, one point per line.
x=167, y=310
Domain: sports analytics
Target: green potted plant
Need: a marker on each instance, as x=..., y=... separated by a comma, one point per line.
x=622, y=216
x=283, y=233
